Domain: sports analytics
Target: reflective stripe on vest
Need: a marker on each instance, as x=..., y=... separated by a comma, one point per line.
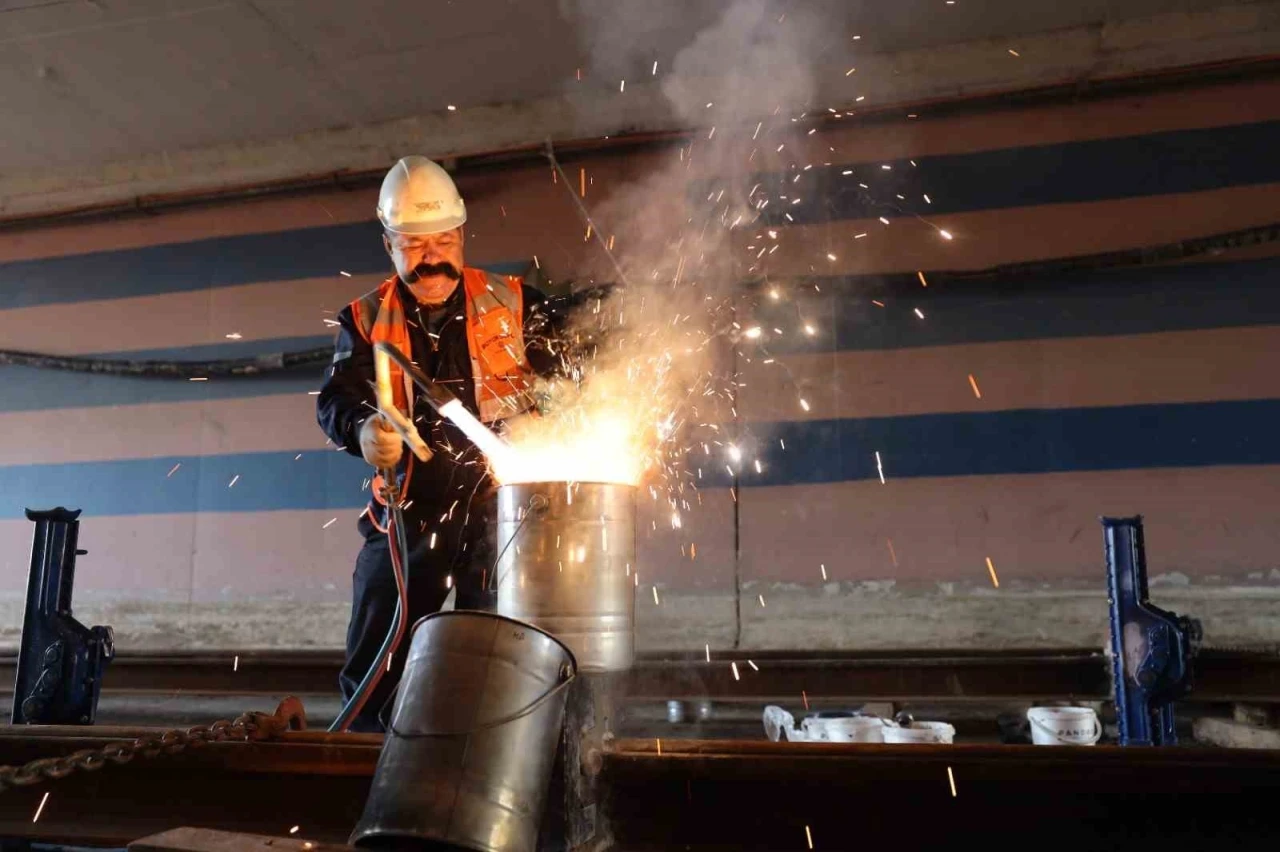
x=495, y=339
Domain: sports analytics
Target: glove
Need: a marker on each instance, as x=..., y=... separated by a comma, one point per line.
x=380, y=445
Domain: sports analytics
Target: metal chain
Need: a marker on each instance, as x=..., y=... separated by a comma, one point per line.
x=245, y=727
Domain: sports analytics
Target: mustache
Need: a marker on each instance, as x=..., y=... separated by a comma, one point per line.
x=428, y=270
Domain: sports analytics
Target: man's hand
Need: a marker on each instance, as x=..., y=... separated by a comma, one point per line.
x=380, y=445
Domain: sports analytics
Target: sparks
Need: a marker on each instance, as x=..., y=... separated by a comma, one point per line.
x=233, y=480
x=831, y=257
x=329, y=523
x=995, y=581
x=805, y=698
x=927, y=199
x=754, y=667
x=40, y=809
x=1013, y=52
x=173, y=470
x=946, y=235
x=198, y=379
x=893, y=555
x=294, y=830
x=752, y=333
x=451, y=108
x=448, y=581
x=235, y=335
x=823, y=569
x=432, y=545
x=951, y=779
x=623, y=86
x=923, y=281
x=808, y=836
x=850, y=71
x=734, y=666
x=761, y=598
x=708, y=649
x=879, y=467
x=235, y=664
x=655, y=68
x=804, y=404
x=884, y=220
x=344, y=273
x=919, y=313
x=758, y=468
x=655, y=596
x=973, y=383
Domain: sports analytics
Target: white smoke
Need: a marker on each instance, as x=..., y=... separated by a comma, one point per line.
x=660, y=365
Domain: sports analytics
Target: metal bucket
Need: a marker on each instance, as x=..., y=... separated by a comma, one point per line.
x=567, y=564
x=472, y=739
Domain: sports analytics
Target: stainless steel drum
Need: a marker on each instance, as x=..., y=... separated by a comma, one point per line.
x=472, y=740
x=568, y=565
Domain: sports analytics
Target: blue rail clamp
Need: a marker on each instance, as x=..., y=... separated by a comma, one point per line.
x=1151, y=648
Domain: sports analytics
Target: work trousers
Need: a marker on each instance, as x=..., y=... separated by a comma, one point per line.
x=431, y=572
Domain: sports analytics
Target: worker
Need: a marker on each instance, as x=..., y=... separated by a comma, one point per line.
x=483, y=336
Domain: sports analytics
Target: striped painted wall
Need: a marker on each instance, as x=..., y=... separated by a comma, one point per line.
x=1147, y=389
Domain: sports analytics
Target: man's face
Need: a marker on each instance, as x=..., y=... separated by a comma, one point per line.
x=431, y=265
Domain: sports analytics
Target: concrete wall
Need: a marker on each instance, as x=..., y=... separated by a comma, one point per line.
x=1133, y=390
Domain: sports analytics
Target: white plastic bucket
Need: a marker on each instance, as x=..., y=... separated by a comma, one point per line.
x=1064, y=726
x=852, y=729
x=920, y=732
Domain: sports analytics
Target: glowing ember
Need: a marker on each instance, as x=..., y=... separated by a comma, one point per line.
x=974, y=384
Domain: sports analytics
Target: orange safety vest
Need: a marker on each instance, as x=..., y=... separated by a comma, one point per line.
x=495, y=342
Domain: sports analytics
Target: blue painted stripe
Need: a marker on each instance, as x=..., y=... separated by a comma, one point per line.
x=268, y=481
x=1021, y=441
x=1077, y=304
x=1093, y=170
x=198, y=265
x=973, y=444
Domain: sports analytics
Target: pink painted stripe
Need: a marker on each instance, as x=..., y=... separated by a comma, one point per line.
x=201, y=428
x=1081, y=372
x=308, y=556
x=1200, y=522
x=993, y=237
x=698, y=555
x=199, y=223
x=203, y=558
x=262, y=311
x=1049, y=124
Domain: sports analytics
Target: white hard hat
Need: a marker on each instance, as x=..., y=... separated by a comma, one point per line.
x=418, y=197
